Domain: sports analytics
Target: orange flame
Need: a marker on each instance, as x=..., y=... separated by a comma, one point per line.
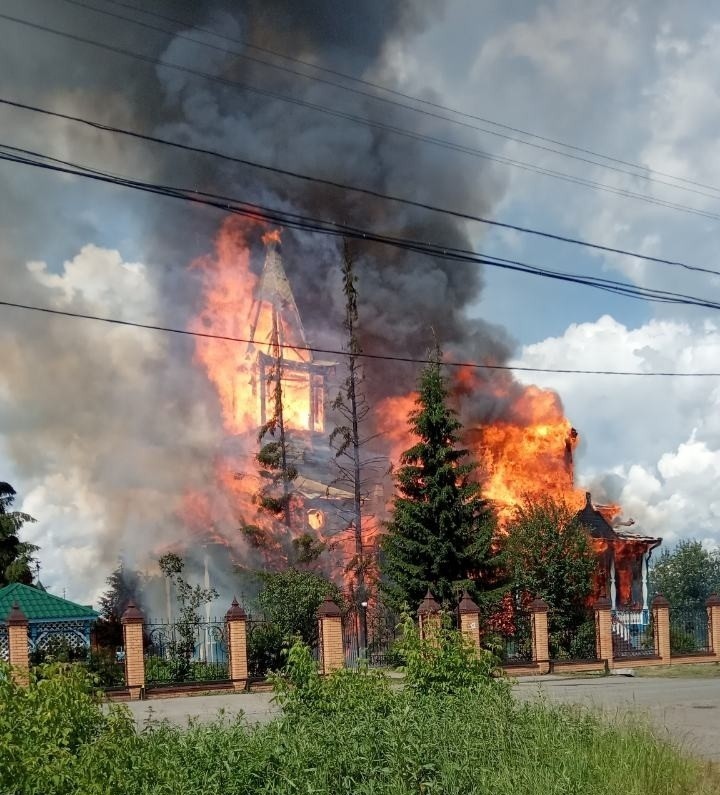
x=273, y=236
x=527, y=450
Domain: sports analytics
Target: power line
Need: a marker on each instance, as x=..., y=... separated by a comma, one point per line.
x=343, y=186
x=334, y=229
x=644, y=175
x=420, y=100
x=336, y=352
x=403, y=132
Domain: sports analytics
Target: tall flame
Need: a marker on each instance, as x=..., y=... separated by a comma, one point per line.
x=525, y=451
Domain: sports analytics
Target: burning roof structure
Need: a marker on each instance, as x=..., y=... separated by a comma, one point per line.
x=623, y=559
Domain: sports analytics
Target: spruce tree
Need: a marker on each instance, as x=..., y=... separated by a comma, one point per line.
x=441, y=530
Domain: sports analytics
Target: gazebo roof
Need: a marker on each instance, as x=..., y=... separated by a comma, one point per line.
x=39, y=605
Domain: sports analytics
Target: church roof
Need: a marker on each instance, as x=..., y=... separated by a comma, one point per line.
x=596, y=523
x=599, y=527
x=39, y=605
x=274, y=290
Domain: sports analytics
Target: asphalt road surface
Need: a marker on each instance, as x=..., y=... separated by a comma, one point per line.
x=685, y=710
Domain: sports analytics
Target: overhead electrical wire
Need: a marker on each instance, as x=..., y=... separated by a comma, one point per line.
x=644, y=175
x=403, y=132
x=334, y=229
x=351, y=188
x=645, y=170
x=336, y=352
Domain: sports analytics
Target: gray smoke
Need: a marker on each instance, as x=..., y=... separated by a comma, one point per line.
x=120, y=421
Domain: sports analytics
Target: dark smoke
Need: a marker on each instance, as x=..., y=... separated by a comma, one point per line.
x=135, y=431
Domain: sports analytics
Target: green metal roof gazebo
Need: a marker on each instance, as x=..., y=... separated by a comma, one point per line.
x=49, y=617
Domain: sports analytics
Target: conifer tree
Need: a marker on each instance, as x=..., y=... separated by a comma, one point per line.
x=441, y=530
x=276, y=467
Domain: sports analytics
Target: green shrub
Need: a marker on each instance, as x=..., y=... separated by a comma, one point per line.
x=682, y=642
x=445, y=661
x=345, y=734
x=266, y=644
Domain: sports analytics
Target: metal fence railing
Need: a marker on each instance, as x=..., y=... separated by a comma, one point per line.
x=185, y=652
x=516, y=640
x=689, y=631
x=379, y=627
x=265, y=646
x=631, y=635
x=573, y=644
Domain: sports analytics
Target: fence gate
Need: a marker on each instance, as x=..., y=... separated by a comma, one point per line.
x=369, y=634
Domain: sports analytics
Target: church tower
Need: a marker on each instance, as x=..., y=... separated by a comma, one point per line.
x=278, y=343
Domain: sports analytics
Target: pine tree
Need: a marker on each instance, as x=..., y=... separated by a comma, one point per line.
x=440, y=534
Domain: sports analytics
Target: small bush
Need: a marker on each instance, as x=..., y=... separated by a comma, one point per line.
x=445, y=661
x=682, y=642
x=265, y=648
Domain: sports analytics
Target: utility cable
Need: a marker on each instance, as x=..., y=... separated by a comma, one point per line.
x=644, y=175
x=420, y=100
x=403, y=132
x=337, y=352
x=293, y=220
x=351, y=188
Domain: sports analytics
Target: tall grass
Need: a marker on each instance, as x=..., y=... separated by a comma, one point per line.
x=347, y=733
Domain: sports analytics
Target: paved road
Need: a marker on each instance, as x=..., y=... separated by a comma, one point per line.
x=686, y=710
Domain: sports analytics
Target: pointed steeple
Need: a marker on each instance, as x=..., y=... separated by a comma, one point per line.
x=275, y=307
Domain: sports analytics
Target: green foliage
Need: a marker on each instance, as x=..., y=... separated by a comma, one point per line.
x=175, y=669
x=265, y=647
x=105, y=669
x=16, y=556
x=687, y=575
x=124, y=586
x=548, y=554
x=46, y=727
x=445, y=661
x=307, y=549
x=58, y=650
x=277, y=470
x=682, y=642
x=345, y=734
x=441, y=530
x=577, y=644
x=290, y=600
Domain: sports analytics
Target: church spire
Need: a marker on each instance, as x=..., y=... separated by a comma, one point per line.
x=274, y=308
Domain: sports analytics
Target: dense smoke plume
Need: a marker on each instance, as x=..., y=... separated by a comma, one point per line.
x=105, y=429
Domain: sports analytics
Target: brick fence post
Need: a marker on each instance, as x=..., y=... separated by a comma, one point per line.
x=539, y=626
x=470, y=619
x=603, y=630
x=132, y=623
x=713, y=612
x=236, y=623
x=661, y=627
x=17, y=624
x=332, y=653
x=428, y=613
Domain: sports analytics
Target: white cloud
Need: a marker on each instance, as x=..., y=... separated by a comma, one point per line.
x=652, y=444
x=569, y=43
x=100, y=425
